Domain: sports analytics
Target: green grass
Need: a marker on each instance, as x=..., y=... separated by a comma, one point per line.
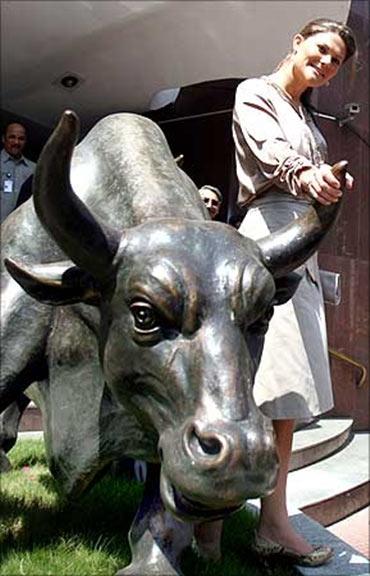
x=43, y=534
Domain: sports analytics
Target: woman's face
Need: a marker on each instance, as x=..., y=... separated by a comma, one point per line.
x=317, y=59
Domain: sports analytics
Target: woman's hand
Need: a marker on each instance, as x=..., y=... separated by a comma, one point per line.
x=321, y=184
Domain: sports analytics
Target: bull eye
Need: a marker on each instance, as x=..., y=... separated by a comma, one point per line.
x=145, y=318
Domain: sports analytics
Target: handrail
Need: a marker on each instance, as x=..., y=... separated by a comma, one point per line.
x=349, y=360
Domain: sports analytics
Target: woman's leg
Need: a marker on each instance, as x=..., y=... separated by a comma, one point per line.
x=274, y=521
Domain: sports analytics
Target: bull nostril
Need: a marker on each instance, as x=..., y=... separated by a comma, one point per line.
x=206, y=445
x=210, y=446
x=160, y=453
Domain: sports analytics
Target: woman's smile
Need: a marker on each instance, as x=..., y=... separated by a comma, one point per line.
x=320, y=73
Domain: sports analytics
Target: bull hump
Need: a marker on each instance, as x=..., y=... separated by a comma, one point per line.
x=145, y=183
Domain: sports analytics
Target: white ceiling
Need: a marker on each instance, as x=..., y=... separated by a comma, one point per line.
x=126, y=51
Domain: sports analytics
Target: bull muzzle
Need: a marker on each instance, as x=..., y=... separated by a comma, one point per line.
x=210, y=469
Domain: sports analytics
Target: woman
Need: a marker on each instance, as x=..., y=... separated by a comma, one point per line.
x=281, y=168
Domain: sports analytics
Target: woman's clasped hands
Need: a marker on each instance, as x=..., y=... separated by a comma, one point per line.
x=320, y=183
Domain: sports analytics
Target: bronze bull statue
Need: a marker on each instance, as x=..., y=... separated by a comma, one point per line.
x=143, y=322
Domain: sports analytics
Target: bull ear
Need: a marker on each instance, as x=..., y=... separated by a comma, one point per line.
x=286, y=287
x=56, y=284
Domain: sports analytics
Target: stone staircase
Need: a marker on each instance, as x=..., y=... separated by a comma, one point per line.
x=329, y=493
x=332, y=481
x=318, y=440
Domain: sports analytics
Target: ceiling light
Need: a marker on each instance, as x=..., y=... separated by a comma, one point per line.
x=68, y=81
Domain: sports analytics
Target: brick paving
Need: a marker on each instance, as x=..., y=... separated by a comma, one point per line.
x=355, y=531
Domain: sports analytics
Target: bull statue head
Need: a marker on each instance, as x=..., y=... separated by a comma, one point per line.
x=184, y=305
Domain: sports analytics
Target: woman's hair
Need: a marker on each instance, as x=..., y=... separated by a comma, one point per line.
x=326, y=25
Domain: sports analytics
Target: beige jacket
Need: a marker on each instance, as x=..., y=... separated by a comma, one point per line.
x=274, y=139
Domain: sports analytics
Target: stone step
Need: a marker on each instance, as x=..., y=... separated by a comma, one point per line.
x=318, y=440
x=336, y=487
x=340, y=506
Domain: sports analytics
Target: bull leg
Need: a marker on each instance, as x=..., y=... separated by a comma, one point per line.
x=9, y=423
x=156, y=538
x=207, y=536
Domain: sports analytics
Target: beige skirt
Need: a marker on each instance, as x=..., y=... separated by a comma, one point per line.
x=293, y=379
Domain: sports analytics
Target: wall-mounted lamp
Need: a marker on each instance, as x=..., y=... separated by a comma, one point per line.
x=352, y=109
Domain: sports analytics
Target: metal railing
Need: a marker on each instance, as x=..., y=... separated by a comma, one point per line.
x=352, y=362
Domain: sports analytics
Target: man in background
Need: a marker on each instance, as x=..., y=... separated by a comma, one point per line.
x=212, y=198
x=15, y=168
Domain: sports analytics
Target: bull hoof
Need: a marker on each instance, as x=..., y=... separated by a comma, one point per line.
x=5, y=465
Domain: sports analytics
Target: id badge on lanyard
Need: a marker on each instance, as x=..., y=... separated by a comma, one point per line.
x=8, y=184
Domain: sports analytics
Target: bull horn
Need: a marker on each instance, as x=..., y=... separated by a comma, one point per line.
x=291, y=246
x=69, y=222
